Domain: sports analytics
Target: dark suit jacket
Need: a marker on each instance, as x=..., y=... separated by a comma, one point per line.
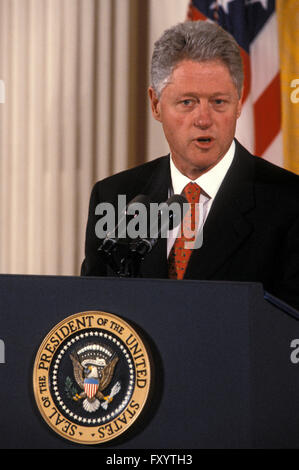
x=251, y=233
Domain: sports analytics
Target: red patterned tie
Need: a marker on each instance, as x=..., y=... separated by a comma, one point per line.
x=179, y=254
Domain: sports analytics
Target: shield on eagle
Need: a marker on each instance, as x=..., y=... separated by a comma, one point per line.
x=91, y=387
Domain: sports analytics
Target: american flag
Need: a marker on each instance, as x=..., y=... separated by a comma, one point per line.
x=254, y=26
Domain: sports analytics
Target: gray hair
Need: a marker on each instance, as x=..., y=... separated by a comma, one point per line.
x=198, y=41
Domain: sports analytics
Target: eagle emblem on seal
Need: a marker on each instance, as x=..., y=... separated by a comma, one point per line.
x=94, y=366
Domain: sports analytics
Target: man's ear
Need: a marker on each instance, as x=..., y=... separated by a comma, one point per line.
x=155, y=104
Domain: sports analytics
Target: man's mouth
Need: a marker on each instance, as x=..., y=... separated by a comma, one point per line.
x=204, y=139
x=204, y=142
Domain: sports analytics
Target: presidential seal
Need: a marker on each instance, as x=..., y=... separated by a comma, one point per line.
x=91, y=377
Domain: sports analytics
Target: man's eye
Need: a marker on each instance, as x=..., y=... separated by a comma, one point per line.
x=187, y=102
x=219, y=101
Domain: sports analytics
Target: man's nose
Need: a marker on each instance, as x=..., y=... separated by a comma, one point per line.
x=202, y=116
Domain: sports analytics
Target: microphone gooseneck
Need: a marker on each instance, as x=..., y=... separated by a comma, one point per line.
x=125, y=254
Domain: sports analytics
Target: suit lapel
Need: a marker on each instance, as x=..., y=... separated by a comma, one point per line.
x=226, y=227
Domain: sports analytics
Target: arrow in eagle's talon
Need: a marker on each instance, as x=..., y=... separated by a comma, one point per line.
x=108, y=398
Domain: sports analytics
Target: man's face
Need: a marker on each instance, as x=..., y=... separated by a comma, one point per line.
x=198, y=109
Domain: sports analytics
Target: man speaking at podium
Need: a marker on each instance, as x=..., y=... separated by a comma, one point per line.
x=249, y=207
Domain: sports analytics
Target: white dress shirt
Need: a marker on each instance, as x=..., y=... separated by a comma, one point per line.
x=209, y=183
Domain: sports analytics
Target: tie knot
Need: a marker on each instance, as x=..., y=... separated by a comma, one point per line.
x=192, y=192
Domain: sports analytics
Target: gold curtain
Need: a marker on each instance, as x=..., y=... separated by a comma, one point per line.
x=288, y=22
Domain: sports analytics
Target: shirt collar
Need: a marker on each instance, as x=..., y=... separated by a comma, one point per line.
x=210, y=181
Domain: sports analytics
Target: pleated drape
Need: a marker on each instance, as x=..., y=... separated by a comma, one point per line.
x=75, y=111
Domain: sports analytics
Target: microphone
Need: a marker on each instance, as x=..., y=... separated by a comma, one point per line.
x=124, y=255
x=111, y=239
x=170, y=215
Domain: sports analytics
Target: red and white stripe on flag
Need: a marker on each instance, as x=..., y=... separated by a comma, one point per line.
x=91, y=387
x=253, y=24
